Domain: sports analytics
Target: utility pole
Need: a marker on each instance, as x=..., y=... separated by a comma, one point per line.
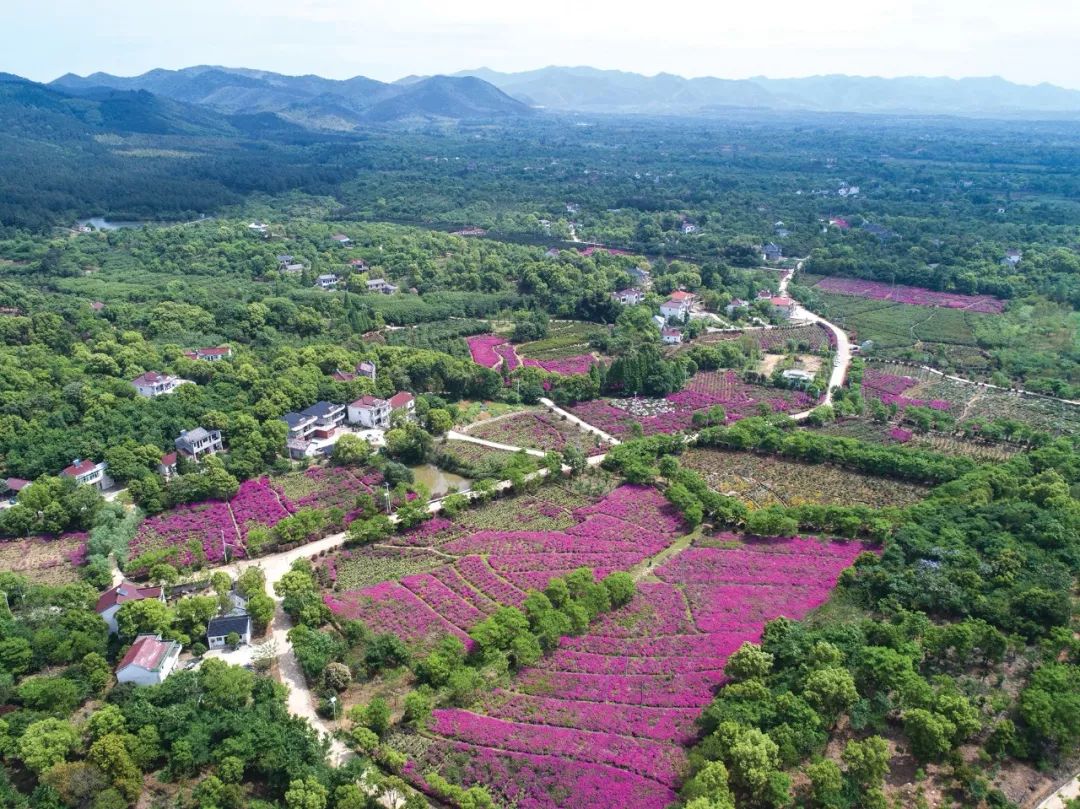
x=386, y=486
x=224, y=547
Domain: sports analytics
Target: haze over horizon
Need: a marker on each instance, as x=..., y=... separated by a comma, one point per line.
x=383, y=40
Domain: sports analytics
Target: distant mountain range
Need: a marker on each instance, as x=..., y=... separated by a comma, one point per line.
x=311, y=101
x=587, y=89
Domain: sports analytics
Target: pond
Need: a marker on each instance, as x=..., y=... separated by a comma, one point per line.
x=438, y=481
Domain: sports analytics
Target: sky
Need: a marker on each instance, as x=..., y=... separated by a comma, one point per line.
x=1027, y=42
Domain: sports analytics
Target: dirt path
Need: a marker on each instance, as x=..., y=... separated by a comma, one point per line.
x=646, y=567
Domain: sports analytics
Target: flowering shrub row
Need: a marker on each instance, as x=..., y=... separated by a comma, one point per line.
x=917, y=296
x=888, y=389
x=45, y=559
x=490, y=350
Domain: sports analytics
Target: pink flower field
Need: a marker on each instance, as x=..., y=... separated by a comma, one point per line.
x=494, y=567
x=538, y=430
x=916, y=296
x=201, y=532
x=617, y=705
x=490, y=350
x=673, y=413
x=889, y=388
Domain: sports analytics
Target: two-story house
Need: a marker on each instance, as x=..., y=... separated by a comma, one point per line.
x=382, y=286
x=370, y=412
x=366, y=369
x=772, y=252
x=629, y=297
x=153, y=384
x=403, y=402
x=112, y=599
x=199, y=443
x=88, y=473
x=677, y=306
x=327, y=281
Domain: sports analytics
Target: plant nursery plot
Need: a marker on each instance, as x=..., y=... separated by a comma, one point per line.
x=674, y=413
x=764, y=480
x=486, y=566
x=917, y=296
x=45, y=559
x=478, y=461
x=812, y=337
x=563, y=340
x=616, y=706
x=972, y=402
x=538, y=430
x=493, y=351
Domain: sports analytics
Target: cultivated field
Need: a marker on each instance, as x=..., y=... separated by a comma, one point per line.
x=603, y=721
x=765, y=480
x=538, y=430
x=45, y=560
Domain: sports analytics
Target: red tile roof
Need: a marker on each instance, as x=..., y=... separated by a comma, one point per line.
x=368, y=401
x=780, y=300
x=681, y=295
x=79, y=468
x=148, y=378
x=400, y=399
x=125, y=591
x=168, y=459
x=146, y=652
x=342, y=376
x=16, y=484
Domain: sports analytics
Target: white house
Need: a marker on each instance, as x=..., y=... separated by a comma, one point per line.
x=382, y=286
x=659, y=321
x=149, y=661
x=210, y=354
x=301, y=426
x=689, y=227
x=111, y=600
x=258, y=227
x=199, y=443
x=797, y=375
x=327, y=281
x=88, y=473
x=671, y=336
x=218, y=629
x=1012, y=257
x=153, y=384
x=167, y=465
x=782, y=306
x=340, y=238
x=370, y=411
x=403, y=402
x=677, y=306
x=318, y=422
x=629, y=297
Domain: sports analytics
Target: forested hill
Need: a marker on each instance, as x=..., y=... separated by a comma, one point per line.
x=312, y=101
x=614, y=91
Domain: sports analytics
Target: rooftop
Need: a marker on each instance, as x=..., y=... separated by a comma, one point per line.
x=224, y=624
x=400, y=399
x=125, y=591
x=147, y=652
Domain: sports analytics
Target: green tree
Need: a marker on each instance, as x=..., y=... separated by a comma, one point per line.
x=748, y=662
x=47, y=742
x=306, y=793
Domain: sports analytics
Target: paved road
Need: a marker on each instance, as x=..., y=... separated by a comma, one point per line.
x=456, y=436
x=1061, y=798
x=842, y=353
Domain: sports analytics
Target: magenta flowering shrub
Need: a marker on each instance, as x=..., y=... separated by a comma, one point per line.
x=256, y=503
x=482, y=349
x=917, y=296
x=199, y=532
x=900, y=435
x=490, y=350
x=388, y=606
